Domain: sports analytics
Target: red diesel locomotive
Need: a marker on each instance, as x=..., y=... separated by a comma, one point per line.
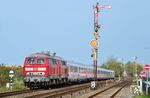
x=44, y=69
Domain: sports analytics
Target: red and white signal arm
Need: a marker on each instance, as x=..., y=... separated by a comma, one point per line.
x=147, y=67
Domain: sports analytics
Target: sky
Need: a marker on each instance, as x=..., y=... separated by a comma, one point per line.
x=66, y=27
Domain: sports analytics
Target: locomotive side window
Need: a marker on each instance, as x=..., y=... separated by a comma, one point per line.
x=40, y=61
x=54, y=61
x=66, y=71
x=51, y=61
x=60, y=62
x=63, y=62
x=31, y=61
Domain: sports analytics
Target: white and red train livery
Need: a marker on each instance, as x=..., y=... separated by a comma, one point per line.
x=45, y=70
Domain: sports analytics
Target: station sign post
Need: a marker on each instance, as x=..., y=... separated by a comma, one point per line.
x=147, y=67
x=11, y=75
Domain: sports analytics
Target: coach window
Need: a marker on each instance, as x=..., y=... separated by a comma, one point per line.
x=51, y=61
x=79, y=70
x=71, y=68
x=98, y=71
x=75, y=69
x=105, y=73
x=102, y=72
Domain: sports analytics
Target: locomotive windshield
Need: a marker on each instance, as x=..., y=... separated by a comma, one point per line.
x=31, y=61
x=40, y=61
x=35, y=61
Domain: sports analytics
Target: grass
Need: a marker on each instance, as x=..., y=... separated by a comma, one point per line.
x=3, y=89
x=16, y=87
x=142, y=96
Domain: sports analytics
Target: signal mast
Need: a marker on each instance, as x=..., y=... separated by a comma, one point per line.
x=94, y=42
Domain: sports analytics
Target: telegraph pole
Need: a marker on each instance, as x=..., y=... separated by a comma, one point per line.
x=94, y=42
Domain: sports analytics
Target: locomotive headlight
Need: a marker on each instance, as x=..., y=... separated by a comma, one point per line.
x=42, y=69
x=28, y=69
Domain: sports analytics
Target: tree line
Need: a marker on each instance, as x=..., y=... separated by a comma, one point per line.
x=131, y=67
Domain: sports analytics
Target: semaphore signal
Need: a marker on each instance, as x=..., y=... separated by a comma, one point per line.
x=94, y=42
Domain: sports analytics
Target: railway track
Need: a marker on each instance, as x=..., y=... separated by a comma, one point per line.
x=40, y=92
x=15, y=93
x=68, y=92
x=109, y=92
x=73, y=91
x=61, y=91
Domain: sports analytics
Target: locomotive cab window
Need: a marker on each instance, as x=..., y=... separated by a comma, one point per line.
x=35, y=61
x=31, y=61
x=40, y=61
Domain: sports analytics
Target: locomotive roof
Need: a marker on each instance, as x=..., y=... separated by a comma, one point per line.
x=44, y=55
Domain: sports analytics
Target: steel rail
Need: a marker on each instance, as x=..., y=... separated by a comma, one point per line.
x=91, y=96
